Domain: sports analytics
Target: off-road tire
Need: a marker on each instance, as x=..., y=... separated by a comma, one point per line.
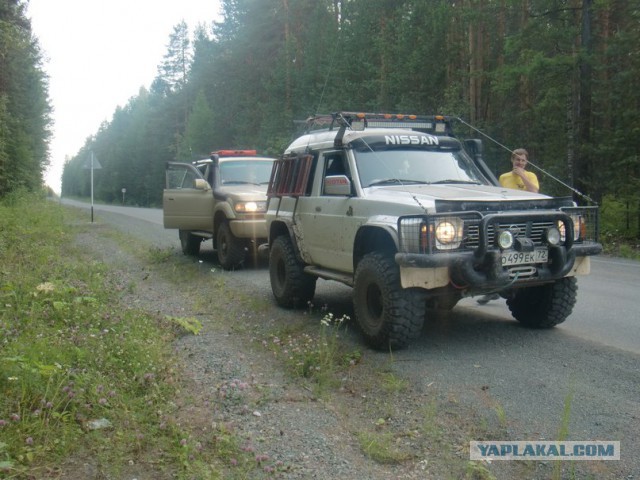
x=189, y=242
x=231, y=250
x=291, y=287
x=544, y=306
x=388, y=315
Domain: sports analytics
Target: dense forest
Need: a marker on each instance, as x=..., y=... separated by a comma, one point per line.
x=558, y=77
x=25, y=109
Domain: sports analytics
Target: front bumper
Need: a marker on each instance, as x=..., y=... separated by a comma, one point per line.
x=466, y=270
x=476, y=264
x=253, y=229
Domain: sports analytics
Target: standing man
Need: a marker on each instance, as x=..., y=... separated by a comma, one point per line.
x=519, y=178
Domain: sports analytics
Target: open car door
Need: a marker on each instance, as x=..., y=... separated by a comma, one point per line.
x=187, y=202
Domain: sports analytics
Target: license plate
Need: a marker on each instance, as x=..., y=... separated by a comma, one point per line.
x=524, y=258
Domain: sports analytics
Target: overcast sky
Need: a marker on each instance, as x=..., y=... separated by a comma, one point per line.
x=98, y=53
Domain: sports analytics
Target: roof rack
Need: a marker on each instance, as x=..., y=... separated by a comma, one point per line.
x=437, y=124
x=358, y=121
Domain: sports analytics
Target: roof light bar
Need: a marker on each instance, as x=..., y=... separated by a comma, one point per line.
x=234, y=153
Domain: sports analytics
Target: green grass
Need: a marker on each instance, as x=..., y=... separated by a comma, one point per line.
x=383, y=447
x=620, y=228
x=82, y=375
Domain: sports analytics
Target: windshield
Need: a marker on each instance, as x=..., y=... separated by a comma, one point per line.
x=415, y=166
x=256, y=172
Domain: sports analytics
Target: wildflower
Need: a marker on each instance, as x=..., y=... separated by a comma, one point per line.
x=102, y=401
x=46, y=287
x=14, y=417
x=183, y=442
x=233, y=462
x=49, y=405
x=29, y=441
x=2, y=423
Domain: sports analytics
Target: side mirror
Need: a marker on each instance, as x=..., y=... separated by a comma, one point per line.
x=202, y=184
x=337, y=185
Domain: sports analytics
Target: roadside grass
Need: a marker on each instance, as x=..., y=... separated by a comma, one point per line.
x=82, y=376
x=620, y=228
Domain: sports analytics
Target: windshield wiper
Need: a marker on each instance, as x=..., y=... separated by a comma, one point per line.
x=465, y=182
x=398, y=181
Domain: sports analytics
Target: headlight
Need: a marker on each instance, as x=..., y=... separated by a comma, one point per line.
x=578, y=228
x=505, y=239
x=251, y=207
x=448, y=233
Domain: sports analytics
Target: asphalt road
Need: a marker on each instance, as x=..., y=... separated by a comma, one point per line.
x=479, y=356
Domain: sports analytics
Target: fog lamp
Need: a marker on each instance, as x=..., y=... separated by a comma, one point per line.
x=505, y=239
x=553, y=236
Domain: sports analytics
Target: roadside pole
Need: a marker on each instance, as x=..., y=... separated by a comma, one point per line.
x=92, y=187
x=92, y=164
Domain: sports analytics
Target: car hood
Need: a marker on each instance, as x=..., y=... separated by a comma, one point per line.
x=430, y=193
x=244, y=193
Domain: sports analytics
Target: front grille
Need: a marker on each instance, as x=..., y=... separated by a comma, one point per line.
x=533, y=230
x=417, y=233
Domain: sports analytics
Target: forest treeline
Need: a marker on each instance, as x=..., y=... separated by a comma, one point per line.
x=25, y=111
x=557, y=77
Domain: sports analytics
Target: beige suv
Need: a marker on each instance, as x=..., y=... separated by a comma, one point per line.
x=409, y=215
x=222, y=198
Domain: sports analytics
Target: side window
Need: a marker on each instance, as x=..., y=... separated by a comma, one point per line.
x=181, y=177
x=335, y=166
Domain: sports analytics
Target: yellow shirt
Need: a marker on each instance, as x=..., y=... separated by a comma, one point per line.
x=511, y=180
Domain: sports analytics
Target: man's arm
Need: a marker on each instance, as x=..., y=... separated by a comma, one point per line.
x=530, y=181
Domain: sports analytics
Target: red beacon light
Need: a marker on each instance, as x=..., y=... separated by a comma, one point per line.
x=234, y=153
